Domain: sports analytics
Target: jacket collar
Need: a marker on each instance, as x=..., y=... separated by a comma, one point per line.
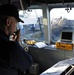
x=3, y=35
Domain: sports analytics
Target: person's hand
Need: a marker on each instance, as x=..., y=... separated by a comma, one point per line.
x=17, y=34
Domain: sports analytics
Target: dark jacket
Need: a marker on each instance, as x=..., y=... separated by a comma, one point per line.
x=12, y=55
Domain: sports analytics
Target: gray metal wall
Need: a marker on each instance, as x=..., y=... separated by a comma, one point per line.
x=48, y=57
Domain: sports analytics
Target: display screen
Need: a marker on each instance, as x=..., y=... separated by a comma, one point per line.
x=67, y=36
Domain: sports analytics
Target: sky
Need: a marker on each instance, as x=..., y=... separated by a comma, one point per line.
x=57, y=13
x=30, y=17
x=33, y=14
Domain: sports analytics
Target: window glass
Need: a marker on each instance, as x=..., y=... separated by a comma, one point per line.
x=32, y=28
x=61, y=19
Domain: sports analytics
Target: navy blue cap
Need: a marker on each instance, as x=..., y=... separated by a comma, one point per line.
x=10, y=10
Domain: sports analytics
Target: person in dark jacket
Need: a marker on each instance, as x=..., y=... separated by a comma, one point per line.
x=13, y=58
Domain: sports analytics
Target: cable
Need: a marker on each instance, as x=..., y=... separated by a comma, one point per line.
x=21, y=5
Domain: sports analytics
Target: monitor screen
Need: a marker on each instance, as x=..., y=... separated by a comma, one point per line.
x=66, y=36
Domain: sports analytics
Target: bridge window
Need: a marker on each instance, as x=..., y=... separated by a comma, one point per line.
x=32, y=28
x=61, y=20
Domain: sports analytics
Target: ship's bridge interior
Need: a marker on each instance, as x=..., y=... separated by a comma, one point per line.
x=46, y=56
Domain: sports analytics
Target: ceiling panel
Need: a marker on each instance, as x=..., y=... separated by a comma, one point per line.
x=34, y=2
x=53, y=1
